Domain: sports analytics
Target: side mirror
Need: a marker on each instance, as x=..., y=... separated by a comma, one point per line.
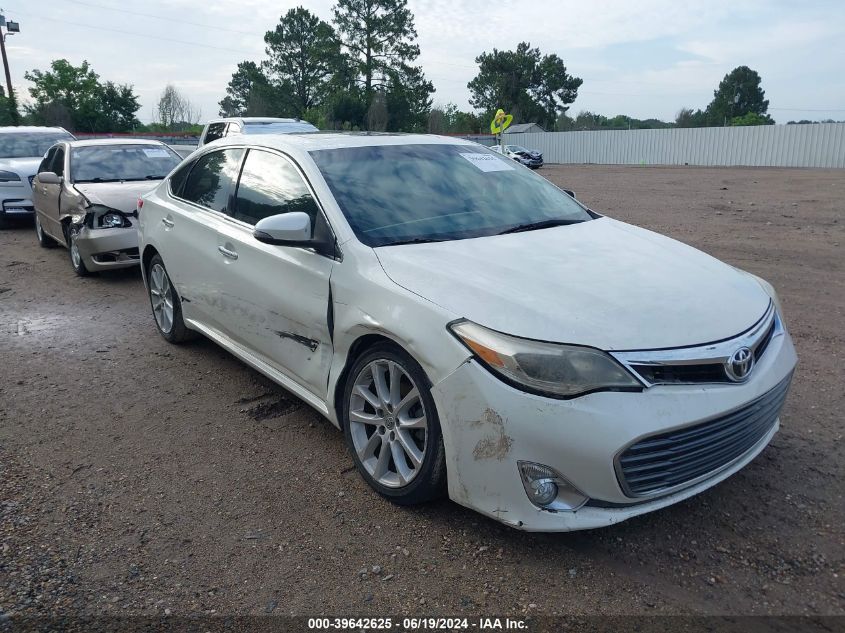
x=49, y=178
x=286, y=229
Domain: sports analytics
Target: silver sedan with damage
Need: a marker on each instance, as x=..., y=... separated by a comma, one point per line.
x=86, y=193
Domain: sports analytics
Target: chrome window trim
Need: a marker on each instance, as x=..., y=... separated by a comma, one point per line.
x=711, y=354
x=238, y=223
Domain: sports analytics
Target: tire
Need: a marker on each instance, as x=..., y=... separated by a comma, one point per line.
x=401, y=460
x=162, y=295
x=44, y=240
x=73, y=252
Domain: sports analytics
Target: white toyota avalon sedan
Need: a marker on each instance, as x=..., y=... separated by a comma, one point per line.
x=469, y=326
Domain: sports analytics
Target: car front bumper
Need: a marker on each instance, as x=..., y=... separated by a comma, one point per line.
x=105, y=249
x=489, y=426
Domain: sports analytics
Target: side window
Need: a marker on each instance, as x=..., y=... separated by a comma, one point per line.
x=215, y=131
x=234, y=128
x=58, y=163
x=48, y=160
x=177, y=180
x=212, y=179
x=270, y=185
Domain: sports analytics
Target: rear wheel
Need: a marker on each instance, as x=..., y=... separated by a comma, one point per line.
x=167, y=309
x=392, y=428
x=44, y=240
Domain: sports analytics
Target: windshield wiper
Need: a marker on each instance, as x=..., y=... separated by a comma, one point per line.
x=542, y=224
x=415, y=240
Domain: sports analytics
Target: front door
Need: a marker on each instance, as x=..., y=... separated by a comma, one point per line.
x=46, y=197
x=275, y=299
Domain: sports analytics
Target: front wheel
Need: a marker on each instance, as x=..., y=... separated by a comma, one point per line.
x=167, y=308
x=392, y=428
x=75, y=256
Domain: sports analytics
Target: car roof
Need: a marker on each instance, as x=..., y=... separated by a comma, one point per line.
x=92, y=142
x=11, y=129
x=312, y=141
x=256, y=119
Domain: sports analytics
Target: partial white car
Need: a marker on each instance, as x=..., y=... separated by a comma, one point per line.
x=21, y=150
x=220, y=128
x=528, y=157
x=86, y=195
x=469, y=326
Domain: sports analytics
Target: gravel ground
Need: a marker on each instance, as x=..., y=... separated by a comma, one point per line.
x=140, y=478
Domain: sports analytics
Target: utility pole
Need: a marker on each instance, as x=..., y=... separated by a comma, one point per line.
x=11, y=28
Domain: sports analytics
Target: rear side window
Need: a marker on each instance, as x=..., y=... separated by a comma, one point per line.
x=215, y=131
x=212, y=178
x=271, y=185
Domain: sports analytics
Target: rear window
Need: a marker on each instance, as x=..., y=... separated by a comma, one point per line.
x=29, y=144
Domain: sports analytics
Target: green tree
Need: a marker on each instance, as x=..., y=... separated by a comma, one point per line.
x=687, y=117
x=408, y=100
x=72, y=96
x=303, y=54
x=250, y=93
x=379, y=36
x=738, y=93
x=752, y=118
x=525, y=83
x=9, y=114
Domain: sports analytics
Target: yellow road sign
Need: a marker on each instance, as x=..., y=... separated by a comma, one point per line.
x=500, y=122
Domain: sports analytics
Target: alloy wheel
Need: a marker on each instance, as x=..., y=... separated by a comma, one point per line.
x=388, y=423
x=161, y=297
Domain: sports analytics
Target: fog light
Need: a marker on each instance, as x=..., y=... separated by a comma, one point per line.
x=544, y=491
x=548, y=489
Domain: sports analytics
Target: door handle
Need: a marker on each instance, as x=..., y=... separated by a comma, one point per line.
x=226, y=252
x=168, y=223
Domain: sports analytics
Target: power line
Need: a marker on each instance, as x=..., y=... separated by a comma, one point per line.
x=160, y=17
x=146, y=36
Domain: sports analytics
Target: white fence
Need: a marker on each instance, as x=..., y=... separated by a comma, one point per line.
x=819, y=145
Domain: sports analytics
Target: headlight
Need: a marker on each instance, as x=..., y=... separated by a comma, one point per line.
x=550, y=369
x=9, y=176
x=111, y=220
x=107, y=218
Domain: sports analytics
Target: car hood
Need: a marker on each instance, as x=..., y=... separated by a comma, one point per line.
x=601, y=283
x=24, y=166
x=122, y=196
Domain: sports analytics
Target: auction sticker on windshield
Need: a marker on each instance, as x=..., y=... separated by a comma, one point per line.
x=488, y=162
x=156, y=152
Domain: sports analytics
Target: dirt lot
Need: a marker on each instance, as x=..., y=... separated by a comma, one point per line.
x=141, y=478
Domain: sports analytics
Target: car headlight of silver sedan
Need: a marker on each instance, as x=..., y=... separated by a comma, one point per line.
x=549, y=369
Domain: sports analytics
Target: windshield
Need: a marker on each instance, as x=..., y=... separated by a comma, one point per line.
x=401, y=193
x=279, y=127
x=112, y=163
x=29, y=144
x=516, y=148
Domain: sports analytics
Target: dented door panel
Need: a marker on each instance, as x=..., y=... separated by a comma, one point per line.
x=286, y=320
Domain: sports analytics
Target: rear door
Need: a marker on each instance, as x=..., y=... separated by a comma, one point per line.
x=275, y=299
x=198, y=204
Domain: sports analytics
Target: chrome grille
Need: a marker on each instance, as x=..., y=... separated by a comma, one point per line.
x=668, y=461
x=704, y=363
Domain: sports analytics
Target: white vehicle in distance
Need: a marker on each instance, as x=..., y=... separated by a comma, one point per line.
x=469, y=326
x=86, y=195
x=219, y=128
x=21, y=151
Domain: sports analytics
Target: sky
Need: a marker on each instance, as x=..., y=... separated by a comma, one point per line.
x=644, y=59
